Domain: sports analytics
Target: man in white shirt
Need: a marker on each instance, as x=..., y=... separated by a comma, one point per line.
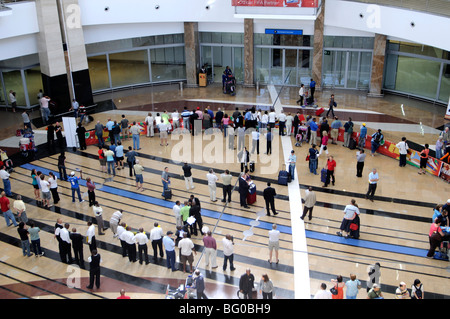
x=120, y=230
x=226, y=185
x=45, y=109
x=228, y=252
x=90, y=235
x=4, y=175
x=115, y=220
x=373, y=181
x=169, y=246
x=310, y=201
x=212, y=179
x=187, y=249
x=66, y=244
x=175, y=119
x=255, y=141
x=135, y=131
x=45, y=189
x=128, y=237
x=13, y=100
x=282, y=123
x=156, y=235
x=149, y=121
x=142, y=240
x=274, y=242
x=403, y=150
x=163, y=133
x=323, y=293
x=176, y=212
x=272, y=118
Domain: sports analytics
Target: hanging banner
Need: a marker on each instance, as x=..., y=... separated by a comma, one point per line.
x=275, y=3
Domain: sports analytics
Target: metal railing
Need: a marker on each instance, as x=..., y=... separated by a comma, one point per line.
x=438, y=7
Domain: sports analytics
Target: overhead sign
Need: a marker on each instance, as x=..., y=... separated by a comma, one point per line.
x=275, y=3
x=284, y=31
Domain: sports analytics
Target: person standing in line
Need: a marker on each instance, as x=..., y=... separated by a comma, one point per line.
x=91, y=191
x=114, y=221
x=244, y=159
x=185, y=212
x=289, y=123
x=402, y=292
x=228, y=252
x=269, y=138
x=163, y=128
x=439, y=147
x=77, y=246
x=212, y=180
x=62, y=166
x=90, y=236
x=424, y=154
x=150, y=121
x=282, y=123
x=375, y=292
x=403, y=150
x=417, y=290
x=81, y=133
x=313, y=159
x=226, y=185
x=66, y=244
x=187, y=173
x=169, y=247
x=19, y=207
x=331, y=104
x=135, y=131
x=141, y=241
x=272, y=119
x=4, y=175
x=266, y=287
x=94, y=269
x=45, y=188
x=240, y=133
x=348, y=131
x=124, y=126
x=352, y=287
x=198, y=223
x=176, y=212
x=334, y=133
x=360, y=158
x=58, y=226
x=98, y=213
x=301, y=94
x=292, y=161
x=362, y=136
x=52, y=179
x=24, y=239
x=156, y=235
x=373, y=181
x=131, y=160
x=165, y=179
x=33, y=230
x=377, y=139
x=210, y=244
x=175, y=119
x=323, y=292
x=36, y=188
x=187, y=249
x=59, y=136
x=119, y=155
x=324, y=144
x=331, y=167
x=246, y=284
x=274, y=243
x=185, y=115
x=313, y=128
x=255, y=141
x=121, y=229
x=74, y=185
x=139, y=176
x=128, y=237
x=339, y=286
x=269, y=194
x=310, y=201
x=99, y=128
x=109, y=154
x=199, y=283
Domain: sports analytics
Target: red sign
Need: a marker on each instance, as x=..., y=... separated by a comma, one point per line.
x=275, y=3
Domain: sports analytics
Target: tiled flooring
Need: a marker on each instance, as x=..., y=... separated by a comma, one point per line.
x=393, y=228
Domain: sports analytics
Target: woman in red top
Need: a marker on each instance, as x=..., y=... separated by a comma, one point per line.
x=424, y=159
x=331, y=165
x=435, y=236
x=324, y=146
x=339, y=286
x=102, y=159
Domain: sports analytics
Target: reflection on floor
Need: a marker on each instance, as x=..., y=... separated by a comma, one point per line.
x=393, y=228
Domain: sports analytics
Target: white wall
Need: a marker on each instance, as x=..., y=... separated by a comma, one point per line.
x=429, y=29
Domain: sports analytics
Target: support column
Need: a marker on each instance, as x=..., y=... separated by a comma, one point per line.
x=192, y=53
x=376, y=78
x=248, y=53
x=51, y=54
x=316, y=72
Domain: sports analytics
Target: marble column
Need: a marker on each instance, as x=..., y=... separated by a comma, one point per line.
x=51, y=54
x=192, y=53
x=248, y=53
x=376, y=78
x=316, y=72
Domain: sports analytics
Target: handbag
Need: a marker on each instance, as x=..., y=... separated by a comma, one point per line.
x=334, y=290
x=353, y=226
x=307, y=158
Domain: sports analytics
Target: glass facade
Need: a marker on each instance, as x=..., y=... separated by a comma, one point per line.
x=417, y=70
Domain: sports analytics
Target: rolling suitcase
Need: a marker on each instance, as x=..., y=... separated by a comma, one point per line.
x=352, y=143
x=252, y=167
x=320, y=111
x=168, y=194
x=251, y=196
x=283, y=177
x=323, y=175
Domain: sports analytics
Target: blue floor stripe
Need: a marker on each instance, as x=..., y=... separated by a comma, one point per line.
x=246, y=221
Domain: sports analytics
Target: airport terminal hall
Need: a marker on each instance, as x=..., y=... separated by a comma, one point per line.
x=224, y=149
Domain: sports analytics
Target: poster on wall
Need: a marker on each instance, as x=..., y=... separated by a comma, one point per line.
x=433, y=164
x=447, y=115
x=445, y=172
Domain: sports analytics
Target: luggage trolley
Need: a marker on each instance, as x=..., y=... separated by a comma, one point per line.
x=27, y=145
x=184, y=291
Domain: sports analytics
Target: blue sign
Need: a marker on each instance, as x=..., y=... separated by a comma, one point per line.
x=284, y=31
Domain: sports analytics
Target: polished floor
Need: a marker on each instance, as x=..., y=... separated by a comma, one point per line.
x=393, y=228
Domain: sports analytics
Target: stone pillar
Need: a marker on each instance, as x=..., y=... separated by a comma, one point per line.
x=192, y=53
x=316, y=72
x=248, y=54
x=75, y=52
x=376, y=78
x=51, y=54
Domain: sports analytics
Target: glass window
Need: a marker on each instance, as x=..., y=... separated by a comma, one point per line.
x=365, y=66
x=444, y=93
x=262, y=64
x=168, y=64
x=348, y=42
x=13, y=81
x=33, y=79
x=98, y=72
x=128, y=68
